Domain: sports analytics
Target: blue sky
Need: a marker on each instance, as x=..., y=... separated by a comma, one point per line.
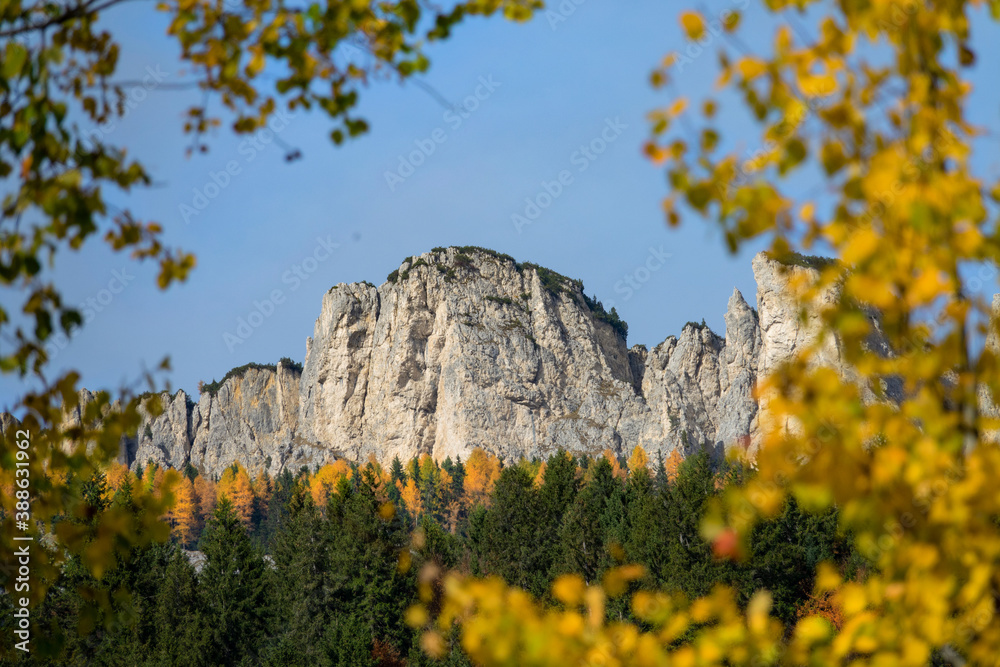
x=554, y=87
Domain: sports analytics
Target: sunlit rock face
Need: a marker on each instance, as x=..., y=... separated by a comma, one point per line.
x=470, y=349
x=250, y=418
x=465, y=348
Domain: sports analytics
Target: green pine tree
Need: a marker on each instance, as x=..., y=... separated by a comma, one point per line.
x=458, y=478
x=692, y=566
x=507, y=542
x=432, y=496
x=592, y=524
x=285, y=485
x=560, y=486
x=783, y=556
x=369, y=591
x=182, y=634
x=233, y=588
x=301, y=590
x=396, y=472
x=645, y=542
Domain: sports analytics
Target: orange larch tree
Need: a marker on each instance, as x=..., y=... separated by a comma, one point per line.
x=204, y=490
x=156, y=483
x=325, y=481
x=445, y=482
x=540, y=475
x=235, y=485
x=116, y=474
x=411, y=497
x=376, y=477
x=184, y=514
x=673, y=464
x=638, y=460
x=481, y=472
x=262, y=490
x=149, y=476
x=616, y=468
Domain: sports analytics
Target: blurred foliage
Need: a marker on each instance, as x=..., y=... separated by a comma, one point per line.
x=872, y=103
x=912, y=482
x=354, y=578
x=59, y=80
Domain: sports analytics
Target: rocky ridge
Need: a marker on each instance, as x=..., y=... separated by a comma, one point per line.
x=464, y=348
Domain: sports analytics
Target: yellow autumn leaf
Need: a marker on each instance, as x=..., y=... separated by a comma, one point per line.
x=783, y=40
x=569, y=589
x=852, y=599
x=817, y=85
x=256, y=63
x=925, y=289
x=570, y=624
x=812, y=629
x=807, y=212
x=693, y=24
x=827, y=577
x=750, y=68
x=860, y=246
x=869, y=289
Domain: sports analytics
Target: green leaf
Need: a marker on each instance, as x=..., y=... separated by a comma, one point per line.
x=920, y=216
x=699, y=196
x=15, y=56
x=70, y=319
x=795, y=152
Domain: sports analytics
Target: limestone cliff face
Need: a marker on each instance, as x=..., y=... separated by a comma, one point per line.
x=738, y=372
x=786, y=325
x=464, y=348
x=465, y=351
x=479, y=352
x=251, y=418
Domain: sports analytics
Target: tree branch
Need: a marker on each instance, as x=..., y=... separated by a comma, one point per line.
x=89, y=7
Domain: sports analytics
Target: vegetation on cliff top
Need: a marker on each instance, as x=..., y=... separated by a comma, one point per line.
x=807, y=261
x=213, y=387
x=554, y=282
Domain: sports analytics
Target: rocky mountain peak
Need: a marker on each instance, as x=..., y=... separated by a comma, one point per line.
x=465, y=347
